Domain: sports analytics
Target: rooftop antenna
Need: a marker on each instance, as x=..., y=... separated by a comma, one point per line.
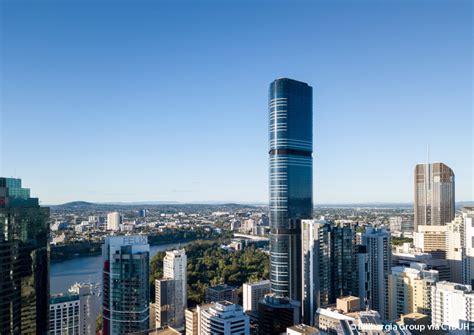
x=428, y=153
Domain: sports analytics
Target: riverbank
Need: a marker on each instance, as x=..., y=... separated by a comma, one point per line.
x=65, y=252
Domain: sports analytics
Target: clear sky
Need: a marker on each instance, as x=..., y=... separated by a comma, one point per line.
x=154, y=100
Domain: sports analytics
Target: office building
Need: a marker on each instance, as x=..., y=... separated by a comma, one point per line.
x=76, y=312
x=24, y=261
x=434, y=195
x=224, y=318
x=291, y=164
x=114, y=220
x=126, y=289
x=253, y=293
x=222, y=292
x=374, y=263
x=467, y=240
x=276, y=314
x=301, y=329
x=453, y=307
x=171, y=297
x=64, y=315
x=409, y=290
x=329, y=264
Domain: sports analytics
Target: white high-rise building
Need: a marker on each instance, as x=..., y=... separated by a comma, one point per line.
x=374, y=266
x=253, y=293
x=468, y=245
x=114, y=220
x=75, y=313
x=171, y=295
x=409, y=290
x=453, y=307
x=454, y=248
x=224, y=318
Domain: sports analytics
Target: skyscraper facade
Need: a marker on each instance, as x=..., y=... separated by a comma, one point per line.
x=374, y=267
x=329, y=264
x=24, y=261
x=171, y=297
x=291, y=163
x=126, y=290
x=434, y=195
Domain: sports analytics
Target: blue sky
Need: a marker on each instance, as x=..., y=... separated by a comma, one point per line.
x=167, y=100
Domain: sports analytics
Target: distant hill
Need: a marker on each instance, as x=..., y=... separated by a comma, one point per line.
x=84, y=205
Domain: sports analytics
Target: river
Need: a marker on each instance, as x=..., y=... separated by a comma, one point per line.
x=87, y=269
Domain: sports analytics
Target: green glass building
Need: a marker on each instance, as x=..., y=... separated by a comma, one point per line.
x=24, y=261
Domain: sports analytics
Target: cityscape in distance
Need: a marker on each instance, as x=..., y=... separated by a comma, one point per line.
x=236, y=168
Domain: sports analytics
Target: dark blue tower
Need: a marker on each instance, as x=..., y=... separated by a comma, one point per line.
x=291, y=181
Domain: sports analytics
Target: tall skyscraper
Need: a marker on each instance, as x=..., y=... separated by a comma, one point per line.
x=434, y=195
x=171, y=298
x=329, y=264
x=126, y=290
x=24, y=261
x=291, y=191
x=374, y=267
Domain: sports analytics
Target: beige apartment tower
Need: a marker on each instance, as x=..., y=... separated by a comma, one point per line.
x=434, y=195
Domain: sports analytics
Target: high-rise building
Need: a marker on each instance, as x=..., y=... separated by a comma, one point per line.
x=126, y=290
x=467, y=240
x=171, y=297
x=114, y=220
x=454, y=249
x=431, y=239
x=224, y=318
x=192, y=321
x=76, y=312
x=434, y=195
x=374, y=266
x=453, y=307
x=291, y=164
x=24, y=261
x=329, y=264
x=253, y=293
x=276, y=314
x=222, y=292
x=409, y=290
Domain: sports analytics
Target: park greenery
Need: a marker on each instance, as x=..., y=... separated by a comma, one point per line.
x=209, y=264
x=396, y=241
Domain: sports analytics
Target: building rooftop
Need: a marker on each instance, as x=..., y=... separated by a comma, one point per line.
x=349, y=298
x=304, y=329
x=222, y=287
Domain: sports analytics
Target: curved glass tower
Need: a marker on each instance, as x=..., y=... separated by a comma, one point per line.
x=291, y=184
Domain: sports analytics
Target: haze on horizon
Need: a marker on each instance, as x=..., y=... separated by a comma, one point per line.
x=161, y=101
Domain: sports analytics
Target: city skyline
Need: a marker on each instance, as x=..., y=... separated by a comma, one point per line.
x=104, y=118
